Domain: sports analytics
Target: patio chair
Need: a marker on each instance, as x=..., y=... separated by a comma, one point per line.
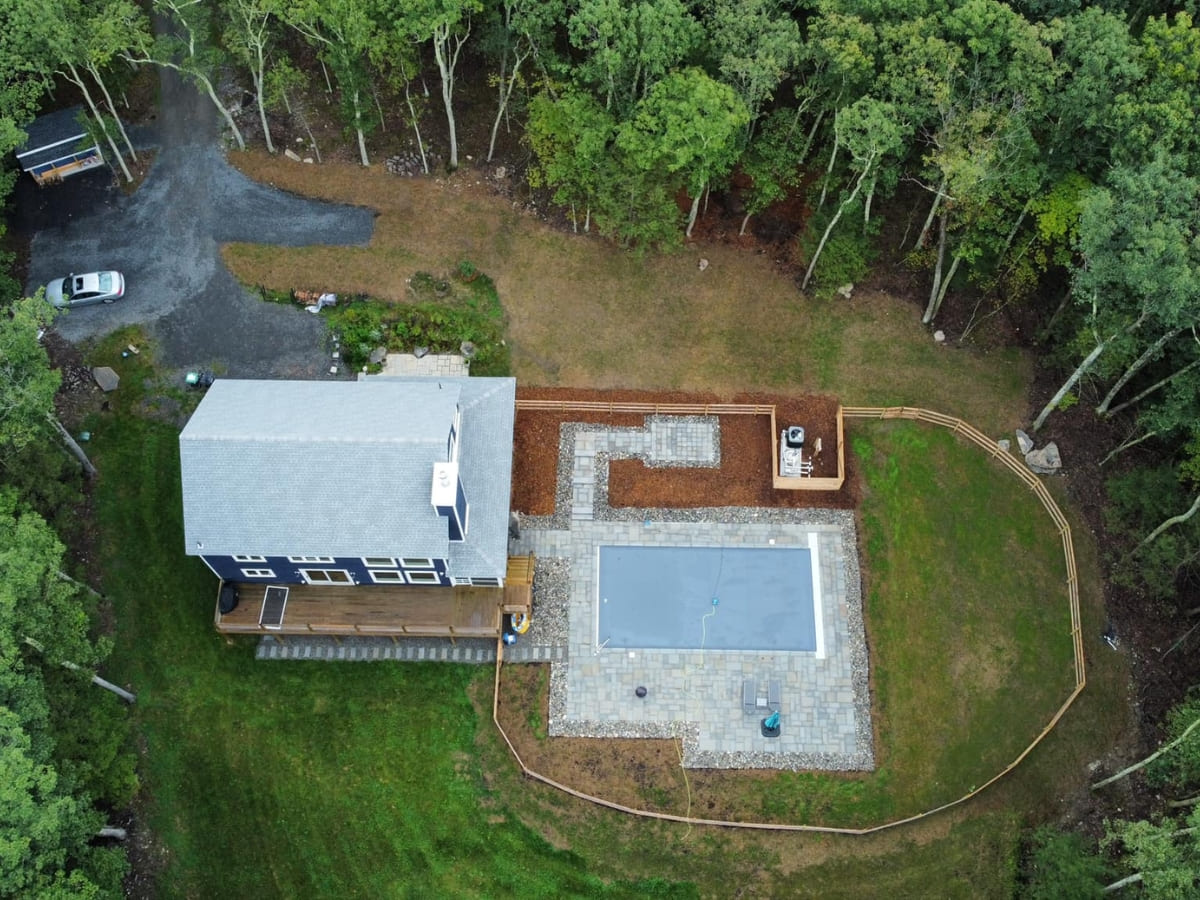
x=750, y=696
x=774, y=695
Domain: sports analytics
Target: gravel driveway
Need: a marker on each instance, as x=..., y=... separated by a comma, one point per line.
x=165, y=238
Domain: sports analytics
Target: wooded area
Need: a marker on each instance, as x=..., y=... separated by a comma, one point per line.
x=1052, y=148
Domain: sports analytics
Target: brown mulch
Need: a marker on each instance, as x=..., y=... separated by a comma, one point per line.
x=743, y=478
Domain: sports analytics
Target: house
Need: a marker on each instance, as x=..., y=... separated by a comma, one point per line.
x=57, y=146
x=384, y=487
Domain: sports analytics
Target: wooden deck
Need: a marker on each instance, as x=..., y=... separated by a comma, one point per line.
x=385, y=610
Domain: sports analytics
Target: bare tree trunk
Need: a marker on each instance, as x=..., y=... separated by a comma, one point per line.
x=931, y=307
x=362, y=140
x=208, y=88
x=96, y=679
x=328, y=83
x=79, y=584
x=112, y=108
x=946, y=282
x=1129, y=770
x=833, y=222
x=745, y=221
x=829, y=168
x=446, y=63
x=111, y=831
x=692, y=215
x=937, y=201
x=1154, y=387
x=1136, y=366
x=77, y=80
x=1171, y=522
x=1126, y=445
x=505, y=96
x=412, y=113
x=257, y=75
x=1068, y=384
x=1124, y=882
x=72, y=445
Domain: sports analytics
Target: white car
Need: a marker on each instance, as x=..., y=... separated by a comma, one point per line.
x=84, y=290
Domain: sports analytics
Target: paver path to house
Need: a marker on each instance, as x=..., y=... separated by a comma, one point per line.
x=166, y=237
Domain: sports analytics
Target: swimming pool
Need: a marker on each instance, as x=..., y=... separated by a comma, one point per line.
x=708, y=598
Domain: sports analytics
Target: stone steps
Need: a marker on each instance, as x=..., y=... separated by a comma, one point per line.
x=376, y=649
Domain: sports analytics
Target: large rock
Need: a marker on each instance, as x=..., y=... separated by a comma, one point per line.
x=1045, y=461
x=1024, y=442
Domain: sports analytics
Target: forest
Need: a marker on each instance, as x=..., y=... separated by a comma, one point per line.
x=1034, y=168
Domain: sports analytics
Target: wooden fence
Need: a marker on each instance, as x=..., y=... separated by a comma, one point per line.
x=958, y=426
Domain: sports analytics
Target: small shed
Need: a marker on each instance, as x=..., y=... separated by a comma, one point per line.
x=57, y=146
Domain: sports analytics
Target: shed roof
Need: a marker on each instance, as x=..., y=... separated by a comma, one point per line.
x=310, y=468
x=51, y=136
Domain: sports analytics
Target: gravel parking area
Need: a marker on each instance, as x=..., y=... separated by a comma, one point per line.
x=166, y=239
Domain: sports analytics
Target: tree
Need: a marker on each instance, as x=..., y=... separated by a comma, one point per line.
x=1061, y=867
x=248, y=37
x=346, y=36
x=1164, y=856
x=755, y=44
x=629, y=46
x=520, y=29
x=27, y=383
x=570, y=136
x=687, y=127
x=871, y=130
x=1139, y=264
x=190, y=51
x=447, y=24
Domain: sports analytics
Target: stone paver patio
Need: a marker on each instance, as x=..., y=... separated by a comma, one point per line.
x=697, y=695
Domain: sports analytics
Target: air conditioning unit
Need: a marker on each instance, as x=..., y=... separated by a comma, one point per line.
x=794, y=436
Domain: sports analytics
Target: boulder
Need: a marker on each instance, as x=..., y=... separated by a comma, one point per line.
x=846, y=290
x=291, y=154
x=1024, y=442
x=378, y=355
x=703, y=264
x=1004, y=444
x=939, y=336
x=1045, y=461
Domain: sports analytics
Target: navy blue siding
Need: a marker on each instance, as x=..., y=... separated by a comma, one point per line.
x=286, y=572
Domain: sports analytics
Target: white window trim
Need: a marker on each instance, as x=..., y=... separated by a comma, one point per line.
x=246, y=559
x=326, y=582
x=386, y=576
x=423, y=578
x=258, y=573
x=379, y=562
x=486, y=582
x=417, y=562
x=318, y=560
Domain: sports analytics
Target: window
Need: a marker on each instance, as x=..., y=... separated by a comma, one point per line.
x=249, y=559
x=258, y=573
x=424, y=578
x=417, y=562
x=326, y=576
x=458, y=579
x=379, y=562
x=386, y=576
x=310, y=559
x=486, y=582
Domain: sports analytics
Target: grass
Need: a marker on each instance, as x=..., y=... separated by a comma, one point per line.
x=583, y=314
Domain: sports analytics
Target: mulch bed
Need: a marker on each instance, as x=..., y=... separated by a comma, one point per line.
x=743, y=478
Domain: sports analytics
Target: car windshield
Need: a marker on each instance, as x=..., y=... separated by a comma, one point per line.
x=106, y=281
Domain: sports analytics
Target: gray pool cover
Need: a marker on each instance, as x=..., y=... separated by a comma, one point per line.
x=662, y=598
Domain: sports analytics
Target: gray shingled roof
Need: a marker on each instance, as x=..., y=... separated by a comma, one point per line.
x=310, y=468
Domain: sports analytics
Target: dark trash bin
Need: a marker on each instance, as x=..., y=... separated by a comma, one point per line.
x=228, y=600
